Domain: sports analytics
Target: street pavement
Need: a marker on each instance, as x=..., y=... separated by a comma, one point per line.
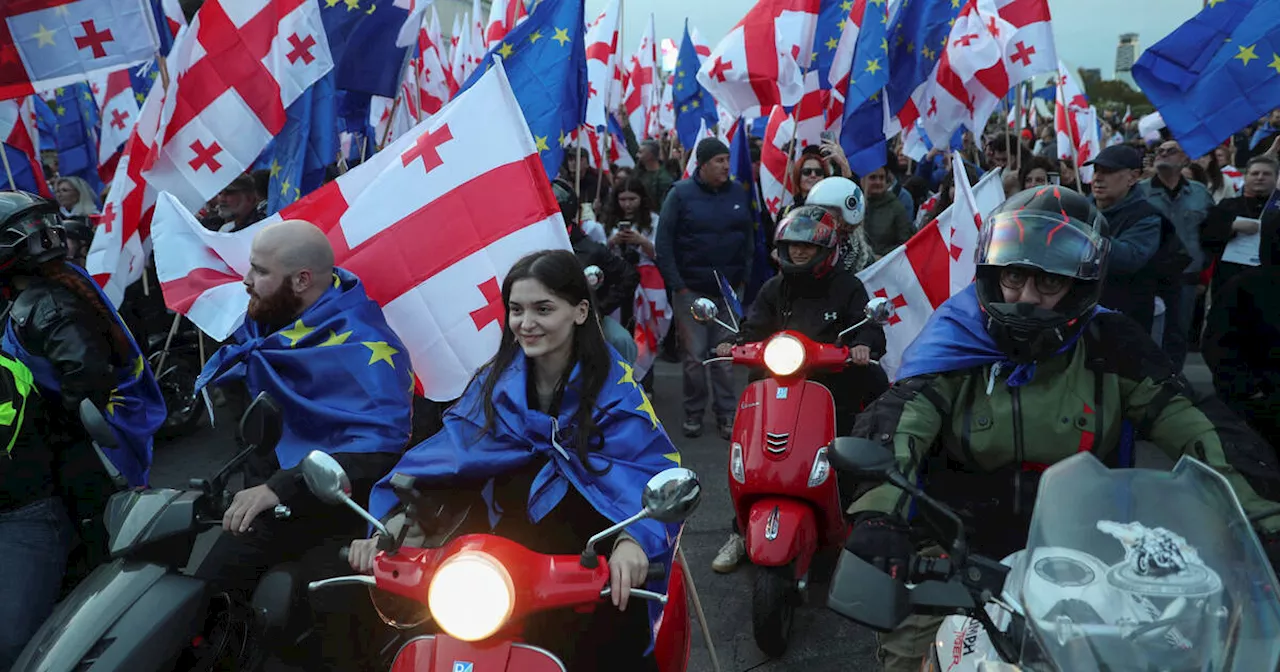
x=820, y=641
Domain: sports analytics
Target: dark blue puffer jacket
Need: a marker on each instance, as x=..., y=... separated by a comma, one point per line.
x=701, y=230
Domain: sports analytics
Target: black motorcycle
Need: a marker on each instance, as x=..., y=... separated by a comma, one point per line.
x=176, y=369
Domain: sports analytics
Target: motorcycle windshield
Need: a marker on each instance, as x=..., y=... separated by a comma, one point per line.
x=1141, y=569
x=130, y=514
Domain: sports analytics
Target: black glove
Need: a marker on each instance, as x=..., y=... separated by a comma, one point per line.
x=882, y=540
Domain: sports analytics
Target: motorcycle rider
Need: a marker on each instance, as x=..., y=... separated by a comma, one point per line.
x=322, y=349
x=65, y=330
x=1018, y=371
x=817, y=297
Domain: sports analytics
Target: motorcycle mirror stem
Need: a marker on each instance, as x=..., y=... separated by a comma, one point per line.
x=327, y=480
x=959, y=545
x=590, y=559
x=850, y=330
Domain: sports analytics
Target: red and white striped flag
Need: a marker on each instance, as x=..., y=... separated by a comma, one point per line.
x=761, y=62
x=641, y=98
x=417, y=223
x=810, y=113
x=653, y=315
x=775, y=161
x=18, y=130
x=602, y=58
x=433, y=73
x=241, y=65
x=935, y=263
x=1075, y=126
x=118, y=109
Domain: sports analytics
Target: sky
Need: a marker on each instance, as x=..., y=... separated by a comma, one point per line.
x=1086, y=31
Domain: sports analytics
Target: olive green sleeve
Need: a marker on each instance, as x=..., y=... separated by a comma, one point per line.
x=911, y=415
x=1167, y=414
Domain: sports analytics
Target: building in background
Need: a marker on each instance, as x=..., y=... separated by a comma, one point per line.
x=1126, y=54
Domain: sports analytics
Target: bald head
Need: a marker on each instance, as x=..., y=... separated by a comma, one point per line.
x=296, y=245
x=290, y=266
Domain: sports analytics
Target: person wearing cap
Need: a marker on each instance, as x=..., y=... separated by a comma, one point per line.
x=706, y=227
x=1133, y=227
x=238, y=206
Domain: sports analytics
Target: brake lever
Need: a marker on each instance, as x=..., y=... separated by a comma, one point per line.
x=638, y=592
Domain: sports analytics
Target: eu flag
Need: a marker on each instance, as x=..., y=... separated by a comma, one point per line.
x=1215, y=74
x=832, y=15
x=340, y=375
x=362, y=39
x=862, y=131
x=75, y=130
x=307, y=143
x=546, y=62
x=633, y=448
x=742, y=174
x=692, y=102
x=916, y=40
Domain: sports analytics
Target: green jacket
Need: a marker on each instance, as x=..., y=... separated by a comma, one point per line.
x=1075, y=402
x=886, y=223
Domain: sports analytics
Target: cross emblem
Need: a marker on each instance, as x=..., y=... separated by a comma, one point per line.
x=719, y=67
x=897, y=301
x=425, y=146
x=108, y=216
x=993, y=27
x=1023, y=54
x=933, y=106
x=493, y=310
x=591, y=90
x=92, y=39
x=118, y=117
x=967, y=39
x=301, y=49
x=205, y=156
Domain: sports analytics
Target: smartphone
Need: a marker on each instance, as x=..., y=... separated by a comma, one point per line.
x=828, y=136
x=1055, y=179
x=624, y=226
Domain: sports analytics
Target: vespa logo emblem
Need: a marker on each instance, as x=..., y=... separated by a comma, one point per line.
x=462, y=666
x=831, y=317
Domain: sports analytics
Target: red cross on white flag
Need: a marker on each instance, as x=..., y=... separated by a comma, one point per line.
x=761, y=62
x=417, y=223
x=602, y=57
x=774, y=161
x=241, y=66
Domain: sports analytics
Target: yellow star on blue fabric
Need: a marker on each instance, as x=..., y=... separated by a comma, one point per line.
x=674, y=457
x=380, y=352
x=296, y=333
x=1246, y=54
x=44, y=35
x=628, y=374
x=335, y=338
x=647, y=407
x=352, y=5
x=540, y=143
x=275, y=168
x=561, y=36
x=139, y=365
x=1275, y=62
x=505, y=50
x=535, y=36
x=114, y=400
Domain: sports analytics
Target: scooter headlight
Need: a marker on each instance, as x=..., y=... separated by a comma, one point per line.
x=784, y=355
x=471, y=596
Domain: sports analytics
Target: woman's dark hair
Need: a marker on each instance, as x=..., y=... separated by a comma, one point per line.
x=1213, y=172
x=561, y=273
x=642, y=220
x=1031, y=164
x=945, y=196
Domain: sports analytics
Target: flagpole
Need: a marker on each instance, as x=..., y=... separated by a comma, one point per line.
x=1008, y=141
x=1018, y=124
x=7, y=170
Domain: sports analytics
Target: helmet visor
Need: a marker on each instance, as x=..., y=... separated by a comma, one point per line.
x=1052, y=243
x=807, y=228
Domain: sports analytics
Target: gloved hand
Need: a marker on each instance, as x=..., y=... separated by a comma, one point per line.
x=882, y=540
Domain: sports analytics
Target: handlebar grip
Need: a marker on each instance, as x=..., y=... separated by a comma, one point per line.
x=657, y=572
x=344, y=554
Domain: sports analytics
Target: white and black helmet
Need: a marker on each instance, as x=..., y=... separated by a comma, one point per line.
x=842, y=197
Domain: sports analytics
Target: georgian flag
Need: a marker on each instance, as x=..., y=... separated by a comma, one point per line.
x=118, y=108
x=417, y=223
x=775, y=160
x=761, y=62
x=602, y=57
x=18, y=130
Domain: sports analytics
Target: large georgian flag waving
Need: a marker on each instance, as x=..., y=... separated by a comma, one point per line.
x=760, y=62
x=417, y=222
x=45, y=44
x=241, y=65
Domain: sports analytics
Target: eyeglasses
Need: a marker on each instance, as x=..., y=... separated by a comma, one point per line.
x=1045, y=283
x=811, y=172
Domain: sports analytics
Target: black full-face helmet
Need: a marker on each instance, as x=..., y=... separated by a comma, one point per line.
x=1051, y=230
x=811, y=225
x=30, y=232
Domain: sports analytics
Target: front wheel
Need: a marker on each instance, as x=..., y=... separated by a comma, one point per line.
x=773, y=609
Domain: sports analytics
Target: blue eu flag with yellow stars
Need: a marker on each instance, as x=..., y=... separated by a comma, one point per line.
x=362, y=41
x=135, y=408
x=1215, y=74
x=339, y=373
x=307, y=143
x=692, y=102
x=546, y=61
x=635, y=447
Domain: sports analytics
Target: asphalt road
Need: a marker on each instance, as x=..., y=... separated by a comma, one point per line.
x=821, y=641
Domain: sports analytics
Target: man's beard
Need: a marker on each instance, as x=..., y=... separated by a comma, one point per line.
x=275, y=310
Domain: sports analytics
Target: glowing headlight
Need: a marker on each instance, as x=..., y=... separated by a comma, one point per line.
x=784, y=355
x=471, y=596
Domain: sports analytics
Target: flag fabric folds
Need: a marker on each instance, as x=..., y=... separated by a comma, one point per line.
x=307, y=143
x=362, y=40
x=338, y=371
x=18, y=141
x=692, y=102
x=1230, y=51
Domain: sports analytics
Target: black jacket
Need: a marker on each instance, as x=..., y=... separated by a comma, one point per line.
x=704, y=230
x=1216, y=233
x=620, y=278
x=60, y=325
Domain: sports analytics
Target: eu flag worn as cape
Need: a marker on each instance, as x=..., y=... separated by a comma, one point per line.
x=340, y=375
x=956, y=338
x=135, y=409
x=636, y=447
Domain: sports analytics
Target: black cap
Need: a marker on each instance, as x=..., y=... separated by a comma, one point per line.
x=709, y=149
x=1117, y=157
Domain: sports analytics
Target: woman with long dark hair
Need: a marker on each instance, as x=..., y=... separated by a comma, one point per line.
x=631, y=207
x=562, y=440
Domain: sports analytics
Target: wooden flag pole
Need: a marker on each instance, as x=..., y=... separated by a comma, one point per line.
x=8, y=171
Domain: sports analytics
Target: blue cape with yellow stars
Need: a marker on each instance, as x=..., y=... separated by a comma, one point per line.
x=340, y=375
x=135, y=409
x=636, y=447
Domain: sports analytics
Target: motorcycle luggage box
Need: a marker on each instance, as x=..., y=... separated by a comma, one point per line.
x=126, y=615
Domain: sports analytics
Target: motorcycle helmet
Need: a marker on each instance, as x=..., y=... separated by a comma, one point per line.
x=1052, y=230
x=814, y=225
x=78, y=228
x=568, y=202
x=843, y=198
x=30, y=233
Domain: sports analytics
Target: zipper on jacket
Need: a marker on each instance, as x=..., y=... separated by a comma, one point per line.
x=1018, y=452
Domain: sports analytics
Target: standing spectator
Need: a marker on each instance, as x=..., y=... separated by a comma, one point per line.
x=1239, y=216
x=1266, y=135
x=237, y=206
x=1186, y=204
x=74, y=197
x=1047, y=144
x=1035, y=172
x=657, y=181
x=705, y=227
x=1223, y=154
x=1220, y=186
x=886, y=222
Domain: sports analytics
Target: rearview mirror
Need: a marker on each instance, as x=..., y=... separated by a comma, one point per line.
x=262, y=423
x=704, y=310
x=595, y=276
x=879, y=310
x=672, y=495
x=325, y=478
x=864, y=459
x=96, y=425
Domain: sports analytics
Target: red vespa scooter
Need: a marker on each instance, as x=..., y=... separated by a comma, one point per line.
x=784, y=494
x=479, y=588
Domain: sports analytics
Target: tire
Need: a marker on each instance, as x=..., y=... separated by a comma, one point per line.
x=773, y=609
x=184, y=410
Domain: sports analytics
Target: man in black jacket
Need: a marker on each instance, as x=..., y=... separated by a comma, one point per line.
x=1241, y=216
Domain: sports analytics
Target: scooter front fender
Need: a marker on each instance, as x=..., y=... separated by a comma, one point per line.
x=781, y=530
x=441, y=653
